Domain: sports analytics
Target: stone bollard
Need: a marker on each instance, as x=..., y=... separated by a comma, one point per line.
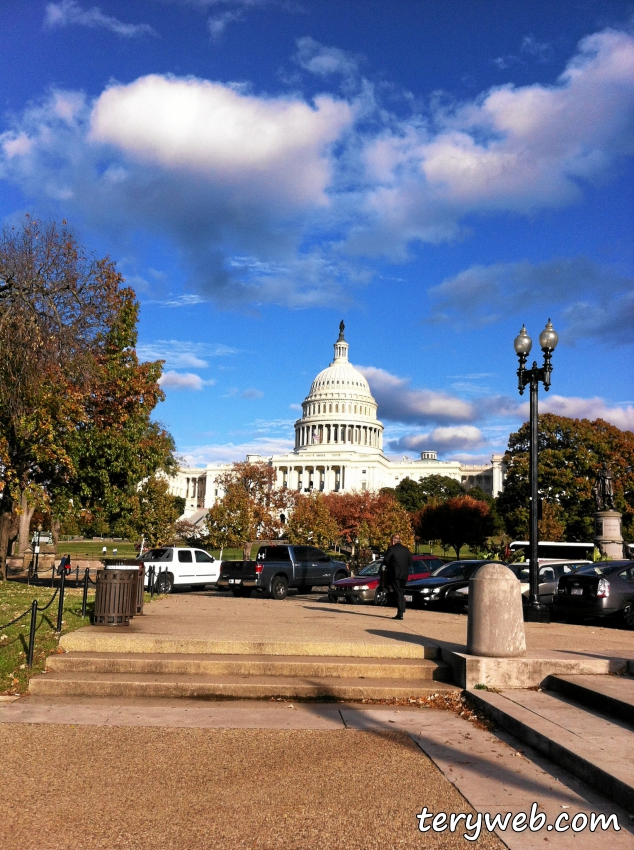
x=496, y=621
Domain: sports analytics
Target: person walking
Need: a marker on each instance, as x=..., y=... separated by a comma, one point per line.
x=397, y=562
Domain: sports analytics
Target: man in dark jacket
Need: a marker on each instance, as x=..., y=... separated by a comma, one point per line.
x=397, y=562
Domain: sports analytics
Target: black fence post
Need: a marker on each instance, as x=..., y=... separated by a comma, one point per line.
x=60, y=607
x=29, y=656
x=151, y=581
x=85, y=595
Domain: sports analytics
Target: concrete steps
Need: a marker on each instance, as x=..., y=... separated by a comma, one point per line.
x=241, y=676
x=583, y=723
x=173, y=685
x=318, y=667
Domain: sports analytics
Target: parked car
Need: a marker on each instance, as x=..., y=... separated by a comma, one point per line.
x=365, y=586
x=550, y=571
x=440, y=588
x=278, y=567
x=179, y=567
x=603, y=589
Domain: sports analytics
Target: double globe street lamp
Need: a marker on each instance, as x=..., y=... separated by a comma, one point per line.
x=535, y=611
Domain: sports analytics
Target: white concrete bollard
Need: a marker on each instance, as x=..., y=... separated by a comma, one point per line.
x=496, y=620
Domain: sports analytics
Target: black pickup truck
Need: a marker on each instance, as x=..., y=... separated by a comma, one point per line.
x=276, y=568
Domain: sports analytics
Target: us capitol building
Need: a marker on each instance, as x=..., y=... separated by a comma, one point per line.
x=338, y=448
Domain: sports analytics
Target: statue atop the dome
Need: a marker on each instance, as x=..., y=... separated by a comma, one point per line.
x=342, y=328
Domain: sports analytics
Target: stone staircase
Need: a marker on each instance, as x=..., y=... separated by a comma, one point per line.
x=584, y=723
x=247, y=671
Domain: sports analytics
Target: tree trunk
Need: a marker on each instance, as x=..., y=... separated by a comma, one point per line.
x=5, y=525
x=457, y=547
x=25, y=522
x=55, y=527
x=14, y=526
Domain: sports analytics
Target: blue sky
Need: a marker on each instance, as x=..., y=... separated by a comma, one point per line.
x=435, y=172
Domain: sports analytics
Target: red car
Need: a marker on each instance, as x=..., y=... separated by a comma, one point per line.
x=364, y=587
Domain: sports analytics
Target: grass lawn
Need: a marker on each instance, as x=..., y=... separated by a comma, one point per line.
x=93, y=548
x=16, y=597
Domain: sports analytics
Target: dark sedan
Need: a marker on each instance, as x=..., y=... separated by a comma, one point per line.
x=440, y=587
x=603, y=589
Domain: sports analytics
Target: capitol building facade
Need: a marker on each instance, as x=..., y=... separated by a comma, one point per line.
x=338, y=448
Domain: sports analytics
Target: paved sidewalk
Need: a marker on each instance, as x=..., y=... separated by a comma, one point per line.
x=312, y=619
x=190, y=774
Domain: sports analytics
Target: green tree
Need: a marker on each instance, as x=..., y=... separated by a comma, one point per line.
x=154, y=514
x=432, y=488
x=571, y=452
x=311, y=522
x=461, y=521
x=231, y=520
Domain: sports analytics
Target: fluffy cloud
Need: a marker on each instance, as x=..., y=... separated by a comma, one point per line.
x=486, y=293
x=172, y=380
x=399, y=403
x=232, y=452
x=449, y=438
x=585, y=408
x=233, y=139
x=512, y=148
x=301, y=188
x=179, y=354
x=69, y=12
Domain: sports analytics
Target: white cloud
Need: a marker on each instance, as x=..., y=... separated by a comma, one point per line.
x=275, y=145
x=585, y=408
x=68, y=12
x=232, y=452
x=449, y=438
x=398, y=402
x=272, y=199
x=172, y=380
x=512, y=148
x=323, y=61
x=179, y=354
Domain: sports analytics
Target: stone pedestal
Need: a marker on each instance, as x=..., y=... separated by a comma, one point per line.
x=607, y=534
x=495, y=627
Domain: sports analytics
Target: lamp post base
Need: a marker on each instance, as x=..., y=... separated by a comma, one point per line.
x=536, y=614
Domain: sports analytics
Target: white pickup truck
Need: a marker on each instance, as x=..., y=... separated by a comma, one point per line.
x=180, y=566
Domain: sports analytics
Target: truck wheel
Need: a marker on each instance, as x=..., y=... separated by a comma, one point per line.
x=380, y=597
x=305, y=588
x=339, y=576
x=279, y=587
x=332, y=597
x=165, y=583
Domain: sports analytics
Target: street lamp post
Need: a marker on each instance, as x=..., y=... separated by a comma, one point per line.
x=535, y=611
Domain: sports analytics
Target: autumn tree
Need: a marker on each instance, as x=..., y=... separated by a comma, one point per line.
x=55, y=302
x=311, y=522
x=461, y=521
x=251, y=507
x=571, y=452
x=371, y=517
x=117, y=444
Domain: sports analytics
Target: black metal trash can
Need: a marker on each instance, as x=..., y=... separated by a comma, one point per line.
x=115, y=592
x=136, y=600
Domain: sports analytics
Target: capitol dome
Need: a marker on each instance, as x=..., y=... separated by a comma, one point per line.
x=339, y=410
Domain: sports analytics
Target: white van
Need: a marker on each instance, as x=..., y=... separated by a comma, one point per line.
x=180, y=567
